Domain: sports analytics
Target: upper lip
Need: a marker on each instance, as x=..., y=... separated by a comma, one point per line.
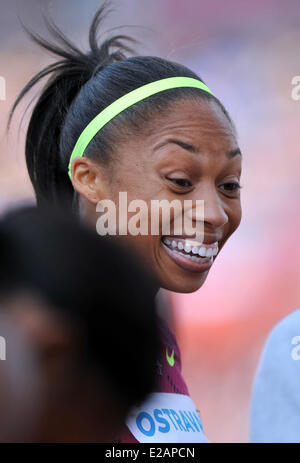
x=208, y=239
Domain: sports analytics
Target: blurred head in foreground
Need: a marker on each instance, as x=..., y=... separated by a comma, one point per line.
x=78, y=330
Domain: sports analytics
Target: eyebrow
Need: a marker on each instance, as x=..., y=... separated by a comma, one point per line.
x=192, y=148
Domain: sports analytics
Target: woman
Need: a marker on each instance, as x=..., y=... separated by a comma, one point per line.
x=172, y=141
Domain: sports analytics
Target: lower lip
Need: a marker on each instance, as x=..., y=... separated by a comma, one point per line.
x=187, y=264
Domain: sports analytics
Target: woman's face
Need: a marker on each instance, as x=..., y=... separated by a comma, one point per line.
x=190, y=153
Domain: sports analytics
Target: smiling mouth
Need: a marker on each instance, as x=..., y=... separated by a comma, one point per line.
x=190, y=254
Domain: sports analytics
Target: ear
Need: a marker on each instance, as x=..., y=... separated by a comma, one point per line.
x=89, y=179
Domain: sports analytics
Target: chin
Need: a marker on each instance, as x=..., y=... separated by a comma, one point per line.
x=185, y=285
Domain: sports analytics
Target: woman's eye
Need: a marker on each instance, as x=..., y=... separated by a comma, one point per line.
x=231, y=187
x=182, y=182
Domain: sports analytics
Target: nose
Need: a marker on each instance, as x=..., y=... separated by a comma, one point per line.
x=215, y=216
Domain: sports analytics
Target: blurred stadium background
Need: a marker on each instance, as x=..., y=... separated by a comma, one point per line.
x=247, y=52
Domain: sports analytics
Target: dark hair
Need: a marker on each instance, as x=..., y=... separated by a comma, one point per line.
x=51, y=255
x=80, y=86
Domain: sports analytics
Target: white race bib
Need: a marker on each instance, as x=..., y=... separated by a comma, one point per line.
x=166, y=417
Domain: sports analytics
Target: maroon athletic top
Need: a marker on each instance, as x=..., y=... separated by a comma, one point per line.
x=169, y=414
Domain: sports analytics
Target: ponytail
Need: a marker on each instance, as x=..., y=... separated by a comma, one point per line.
x=45, y=162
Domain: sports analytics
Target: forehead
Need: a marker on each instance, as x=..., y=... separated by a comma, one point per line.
x=199, y=121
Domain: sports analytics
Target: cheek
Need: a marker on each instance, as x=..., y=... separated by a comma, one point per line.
x=234, y=216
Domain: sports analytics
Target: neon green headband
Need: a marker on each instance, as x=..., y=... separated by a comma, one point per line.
x=125, y=102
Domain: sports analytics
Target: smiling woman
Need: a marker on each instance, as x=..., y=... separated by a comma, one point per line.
x=177, y=143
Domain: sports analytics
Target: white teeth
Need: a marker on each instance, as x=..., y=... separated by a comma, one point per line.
x=202, y=252
x=209, y=252
x=194, y=258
